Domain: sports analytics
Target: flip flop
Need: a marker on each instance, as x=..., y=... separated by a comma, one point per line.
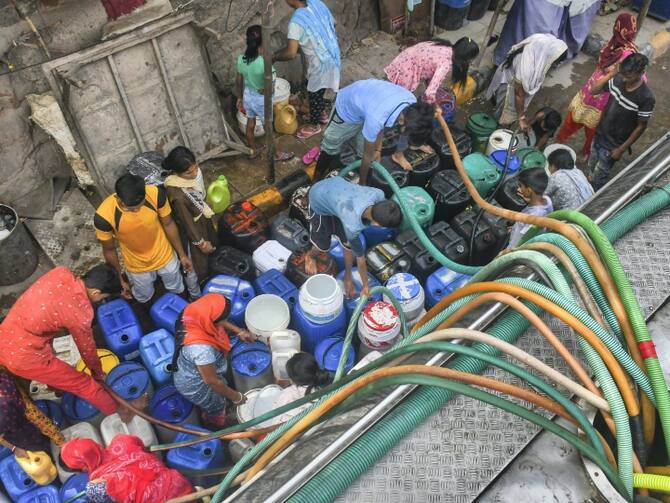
x=311, y=155
x=303, y=134
x=284, y=156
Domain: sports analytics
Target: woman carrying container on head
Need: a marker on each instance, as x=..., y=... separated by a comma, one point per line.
x=306, y=376
x=585, y=109
x=23, y=427
x=521, y=76
x=199, y=361
x=124, y=472
x=430, y=62
x=186, y=192
x=312, y=29
x=250, y=83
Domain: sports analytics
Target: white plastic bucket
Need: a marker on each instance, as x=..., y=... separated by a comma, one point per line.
x=409, y=293
x=284, y=344
x=500, y=140
x=259, y=401
x=79, y=430
x=379, y=326
x=321, y=298
x=139, y=427
x=271, y=255
x=266, y=314
x=242, y=122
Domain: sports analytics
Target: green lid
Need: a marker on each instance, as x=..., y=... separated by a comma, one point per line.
x=531, y=158
x=481, y=124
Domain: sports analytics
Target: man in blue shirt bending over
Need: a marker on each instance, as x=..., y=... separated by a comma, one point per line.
x=366, y=108
x=343, y=209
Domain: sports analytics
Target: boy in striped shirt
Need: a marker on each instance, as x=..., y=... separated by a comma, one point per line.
x=624, y=119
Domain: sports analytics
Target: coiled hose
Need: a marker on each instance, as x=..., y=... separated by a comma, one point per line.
x=652, y=482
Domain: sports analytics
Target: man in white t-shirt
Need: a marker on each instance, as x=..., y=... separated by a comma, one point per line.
x=312, y=29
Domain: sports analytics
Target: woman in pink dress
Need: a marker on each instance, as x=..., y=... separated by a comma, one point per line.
x=430, y=62
x=585, y=109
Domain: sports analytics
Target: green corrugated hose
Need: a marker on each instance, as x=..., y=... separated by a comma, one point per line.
x=634, y=311
x=651, y=482
x=508, y=406
x=427, y=243
x=587, y=275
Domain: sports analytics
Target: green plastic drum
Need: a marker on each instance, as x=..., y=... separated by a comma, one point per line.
x=480, y=126
x=482, y=171
x=419, y=202
x=531, y=158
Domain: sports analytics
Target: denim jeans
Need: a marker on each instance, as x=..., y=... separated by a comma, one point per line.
x=600, y=166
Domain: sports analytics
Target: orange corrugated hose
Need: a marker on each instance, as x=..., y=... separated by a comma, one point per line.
x=534, y=320
x=613, y=366
x=345, y=392
x=574, y=235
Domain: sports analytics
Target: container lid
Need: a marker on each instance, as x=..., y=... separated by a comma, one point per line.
x=245, y=412
x=129, y=379
x=265, y=399
x=167, y=404
x=479, y=122
x=404, y=286
x=499, y=157
x=77, y=409
x=380, y=316
x=328, y=353
x=531, y=158
x=251, y=359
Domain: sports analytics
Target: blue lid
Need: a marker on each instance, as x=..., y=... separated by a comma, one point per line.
x=328, y=352
x=167, y=404
x=52, y=410
x=73, y=486
x=251, y=358
x=77, y=409
x=499, y=158
x=129, y=380
x=404, y=286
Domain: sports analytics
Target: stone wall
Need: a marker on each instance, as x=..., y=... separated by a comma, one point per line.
x=29, y=158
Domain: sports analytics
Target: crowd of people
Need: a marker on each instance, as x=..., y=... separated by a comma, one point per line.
x=167, y=232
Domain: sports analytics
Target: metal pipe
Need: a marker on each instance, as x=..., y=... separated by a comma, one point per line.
x=431, y=27
x=499, y=7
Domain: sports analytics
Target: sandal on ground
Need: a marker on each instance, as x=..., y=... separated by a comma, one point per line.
x=284, y=156
x=311, y=155
x=307, y=132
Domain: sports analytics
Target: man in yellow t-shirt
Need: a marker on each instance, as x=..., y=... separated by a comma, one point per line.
x=138, y=217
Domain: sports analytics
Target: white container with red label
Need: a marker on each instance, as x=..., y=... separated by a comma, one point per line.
x=379, y=326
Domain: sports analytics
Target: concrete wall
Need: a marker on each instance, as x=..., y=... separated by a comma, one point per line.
x=29, y=159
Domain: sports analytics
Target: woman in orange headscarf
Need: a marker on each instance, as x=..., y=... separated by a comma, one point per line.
x=200, y=363
x=585, y=109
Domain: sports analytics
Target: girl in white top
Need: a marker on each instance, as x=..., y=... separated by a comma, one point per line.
x=305, y=376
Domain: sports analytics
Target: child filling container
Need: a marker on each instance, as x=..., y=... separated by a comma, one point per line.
x=532, y=184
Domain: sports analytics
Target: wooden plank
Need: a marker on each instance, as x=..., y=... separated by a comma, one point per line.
x=170, y=92
x=126, y=103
